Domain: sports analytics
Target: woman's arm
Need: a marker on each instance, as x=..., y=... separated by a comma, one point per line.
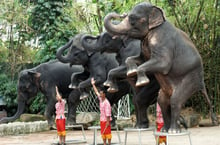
x=94, y=87
x=59, y=97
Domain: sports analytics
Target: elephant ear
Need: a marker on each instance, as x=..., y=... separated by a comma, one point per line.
x=156, y=17
x=35, y=75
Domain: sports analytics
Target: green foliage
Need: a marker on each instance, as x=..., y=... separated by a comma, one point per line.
x=14, y=33
x=50, y=25
x=38, y=105
x=8, y=91
x=3, y=52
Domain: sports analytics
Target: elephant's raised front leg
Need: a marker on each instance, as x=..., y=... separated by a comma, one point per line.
x=131, y=66
x=115, y=74
x=132, y=70
x=77, y=77
x=84, y=87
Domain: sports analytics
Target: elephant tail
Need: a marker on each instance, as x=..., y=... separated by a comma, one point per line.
x=211, y=107
x=182, y=122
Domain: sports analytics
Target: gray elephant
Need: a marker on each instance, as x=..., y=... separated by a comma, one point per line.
x=170, y=55
x=95, y=64
x=125, y=47
x=43, y=78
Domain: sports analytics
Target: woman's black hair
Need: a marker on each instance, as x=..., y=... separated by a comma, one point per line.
x=103, y=89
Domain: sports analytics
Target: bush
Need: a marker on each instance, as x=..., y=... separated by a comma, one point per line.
x=38, y=105
x=9, y=93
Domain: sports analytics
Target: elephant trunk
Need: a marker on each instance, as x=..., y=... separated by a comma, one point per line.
x=117, y=29
x=88, y=43
x=20, y=110
x=60, y=51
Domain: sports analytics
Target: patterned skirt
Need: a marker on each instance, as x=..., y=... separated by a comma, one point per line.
x=105, y=131
x=161, y=138
x=61, y=131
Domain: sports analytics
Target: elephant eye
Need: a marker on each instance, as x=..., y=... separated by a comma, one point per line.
x=133, y=19
x=107, y=39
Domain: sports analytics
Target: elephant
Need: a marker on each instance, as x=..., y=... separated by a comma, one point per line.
x=124, y=47
x=43, y=78
x=95, y=64
x=169, y=54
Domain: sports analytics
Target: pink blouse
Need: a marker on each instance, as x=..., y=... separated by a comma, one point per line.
x=105, y=109
x=60, y=108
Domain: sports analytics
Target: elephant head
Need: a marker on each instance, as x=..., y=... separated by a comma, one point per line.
x=143, y=18
x=104, y=42
x=27, y=88
x=76, y=54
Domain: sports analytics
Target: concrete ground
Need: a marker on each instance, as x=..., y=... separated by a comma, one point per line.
x=199, y=136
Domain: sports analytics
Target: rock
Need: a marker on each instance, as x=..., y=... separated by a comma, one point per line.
x=191, y=117
x=16, y=128
x=87, y=119
x=31, y=117
x=123, y=123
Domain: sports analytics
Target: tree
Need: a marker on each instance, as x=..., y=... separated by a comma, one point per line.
x=50, y=25
x=13, y=21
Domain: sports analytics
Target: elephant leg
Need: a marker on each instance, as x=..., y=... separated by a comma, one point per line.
x=183, y=91
x=113, y=122
x=146, y=97
x=83, y=88
x=73, y=102
x=131, y=65
x=136, y=111
x=114, y=74
x=142, y=79
x=164, y=102
x=49, y=112
x=74, y=81
x=77, y=77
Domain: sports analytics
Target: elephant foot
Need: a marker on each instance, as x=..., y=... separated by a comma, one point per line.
x=142, y=82
x=108, y=83
x=72, y=86
x=112, y=90
x=174, y=130
x=142, y=126
x=70, y=122
x=84, y=96
x=142, y=79
x=132, y=72
x=53, y=127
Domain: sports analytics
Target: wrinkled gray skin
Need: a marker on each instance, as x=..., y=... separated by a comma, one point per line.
x=95, y=64
x=125, y=47
x=171, y=56
x=43, y=78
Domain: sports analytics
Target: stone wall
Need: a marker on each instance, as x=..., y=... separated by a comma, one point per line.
x=16, y=128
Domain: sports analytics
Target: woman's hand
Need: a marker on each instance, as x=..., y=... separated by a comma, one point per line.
x=92, y=81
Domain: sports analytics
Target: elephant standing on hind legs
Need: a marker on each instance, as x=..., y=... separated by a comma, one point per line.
x=170, y=55
x=96, y=65
x=43, y=78
x=124, y=47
